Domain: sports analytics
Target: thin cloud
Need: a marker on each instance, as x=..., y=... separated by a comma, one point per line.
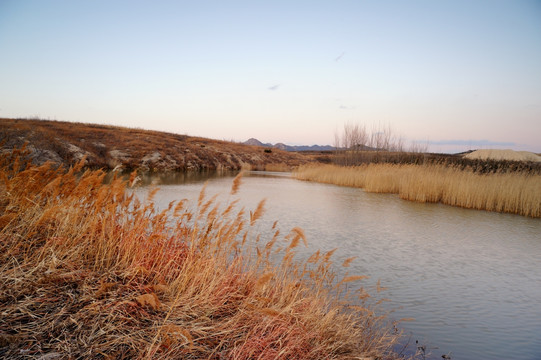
x=274, y=87
x=473, y=143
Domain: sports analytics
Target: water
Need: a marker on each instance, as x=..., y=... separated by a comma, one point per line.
x=471, y=279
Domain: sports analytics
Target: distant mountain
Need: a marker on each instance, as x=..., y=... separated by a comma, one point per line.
x=285, y=147
x=256, y=142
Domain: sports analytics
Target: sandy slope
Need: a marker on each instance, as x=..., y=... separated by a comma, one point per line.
x=504, y=155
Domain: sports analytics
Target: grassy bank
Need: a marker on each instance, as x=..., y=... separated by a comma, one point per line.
x=88, y=271
x=513, y=192
x=107, y=147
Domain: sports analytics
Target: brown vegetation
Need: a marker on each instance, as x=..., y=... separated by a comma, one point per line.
x=512, y=192
x=480, y=166
x=88, y=271
x=356, y=145
x=107, y=147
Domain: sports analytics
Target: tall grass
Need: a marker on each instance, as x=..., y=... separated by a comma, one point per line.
x=517, y=193
x=278, y=167
x=89, y=271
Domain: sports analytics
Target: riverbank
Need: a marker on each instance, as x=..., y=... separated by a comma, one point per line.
x=109, y=147
x=88, y=271
x=511, y=192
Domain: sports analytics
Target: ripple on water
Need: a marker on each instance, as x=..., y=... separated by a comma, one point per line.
x=470, y=278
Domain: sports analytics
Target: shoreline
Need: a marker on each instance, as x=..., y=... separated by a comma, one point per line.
x=89, y=271
x=516, y=193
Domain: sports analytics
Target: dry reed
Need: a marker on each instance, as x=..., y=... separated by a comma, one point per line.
x=517, y=193
x=278, y=167
x=88, y=271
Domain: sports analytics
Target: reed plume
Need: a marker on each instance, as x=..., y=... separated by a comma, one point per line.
x=511, y=192
x=236, y=183
x=89, y=271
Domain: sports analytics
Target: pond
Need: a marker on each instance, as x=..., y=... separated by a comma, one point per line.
x=470, y=279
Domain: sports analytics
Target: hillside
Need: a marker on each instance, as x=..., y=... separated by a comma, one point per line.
x=111, y=146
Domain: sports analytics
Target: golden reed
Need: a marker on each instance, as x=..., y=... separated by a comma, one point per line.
x=87, y=270
x=517, y=193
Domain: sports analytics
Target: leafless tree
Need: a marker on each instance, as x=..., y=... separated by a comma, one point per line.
x=356, y=144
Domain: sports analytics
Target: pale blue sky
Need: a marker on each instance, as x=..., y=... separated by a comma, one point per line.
x=460, y=74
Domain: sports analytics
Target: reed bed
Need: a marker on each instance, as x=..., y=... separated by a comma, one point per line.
x=512, y=192
x=278, y=167
x=89, y=271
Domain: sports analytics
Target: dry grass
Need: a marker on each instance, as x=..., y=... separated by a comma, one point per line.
x=513, y=192
x=109, y=146
x=278, y=167
x=88, y=271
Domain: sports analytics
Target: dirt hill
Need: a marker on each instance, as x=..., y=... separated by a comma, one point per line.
x=110, y=146
x=511, y=155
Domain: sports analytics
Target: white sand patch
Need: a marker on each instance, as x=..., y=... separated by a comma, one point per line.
x=503, y=155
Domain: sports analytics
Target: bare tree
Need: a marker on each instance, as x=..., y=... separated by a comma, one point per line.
x=355, y=142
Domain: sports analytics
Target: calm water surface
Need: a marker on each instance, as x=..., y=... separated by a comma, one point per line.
x=471, y=279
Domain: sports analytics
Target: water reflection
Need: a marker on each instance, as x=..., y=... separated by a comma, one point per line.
x=172, y=177
x=470, y=278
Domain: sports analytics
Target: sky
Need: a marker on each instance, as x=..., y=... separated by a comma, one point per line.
x=455, y=74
